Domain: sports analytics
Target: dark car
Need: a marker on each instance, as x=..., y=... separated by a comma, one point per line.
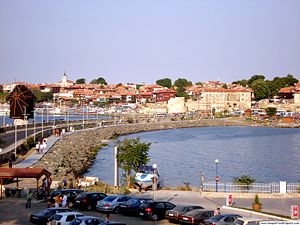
x=196, y=216
x=222, y=219
x=42, y=216
x=132, y=205
x=71, y=194
x=87, y=220
x=88, y=200
x=155, y=210
x=173, y=214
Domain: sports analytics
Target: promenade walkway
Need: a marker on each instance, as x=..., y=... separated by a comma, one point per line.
x=34, y=157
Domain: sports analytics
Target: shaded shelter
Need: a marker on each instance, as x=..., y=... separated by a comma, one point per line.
x=11, y=173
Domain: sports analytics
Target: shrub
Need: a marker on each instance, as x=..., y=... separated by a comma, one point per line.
x=256, y=200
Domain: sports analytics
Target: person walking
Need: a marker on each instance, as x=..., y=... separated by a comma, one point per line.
x=217, y=211
x=57, y=201
x=28, y=199
x=64, y=200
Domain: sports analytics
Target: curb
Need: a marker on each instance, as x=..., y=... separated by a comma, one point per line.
x=256, y=213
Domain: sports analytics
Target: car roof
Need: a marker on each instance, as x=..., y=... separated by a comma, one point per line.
x=69, y=213
x=251, y=219
x=89, y=217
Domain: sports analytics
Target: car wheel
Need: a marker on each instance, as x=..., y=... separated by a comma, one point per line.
x=70, y=204
x=89, y=207
x=117, y=210
x=154, y=217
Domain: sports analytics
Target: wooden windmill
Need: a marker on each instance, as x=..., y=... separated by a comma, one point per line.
x=21, y=101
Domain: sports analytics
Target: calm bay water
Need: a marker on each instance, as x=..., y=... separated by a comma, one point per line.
x=266, y=154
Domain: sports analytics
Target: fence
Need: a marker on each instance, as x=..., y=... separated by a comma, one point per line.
x=253, y=188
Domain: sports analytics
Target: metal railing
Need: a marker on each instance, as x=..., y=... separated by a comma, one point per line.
x=273, y=187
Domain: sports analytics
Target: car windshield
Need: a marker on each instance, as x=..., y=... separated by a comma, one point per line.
x=109, y=198
x=75, y=222
x=132, y=201
x=44, y=211
x=179, y=208
x=56, y=217
x=217, y=217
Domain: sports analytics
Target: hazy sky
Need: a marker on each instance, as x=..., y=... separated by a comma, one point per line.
x=143, y=41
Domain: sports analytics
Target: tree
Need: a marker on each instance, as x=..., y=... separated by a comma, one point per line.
x=1, y=88
x=198, y=83
x=132, y=153
x=271, y=111
x=261, y=89
x=42, y=96
x=243, y=82
x=244, y=180
x=181, y=85
x=80, y=81
x=99, y=80
x=254, y=78
x=166, y=82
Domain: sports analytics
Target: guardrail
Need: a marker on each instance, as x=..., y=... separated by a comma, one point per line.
x=273, y=187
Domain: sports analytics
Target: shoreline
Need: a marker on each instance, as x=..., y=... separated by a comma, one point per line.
x=74, y=154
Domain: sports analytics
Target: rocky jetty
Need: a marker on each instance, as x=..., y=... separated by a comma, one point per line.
x=74, y=154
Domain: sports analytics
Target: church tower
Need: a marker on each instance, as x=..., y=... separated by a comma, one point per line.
x=64, y=78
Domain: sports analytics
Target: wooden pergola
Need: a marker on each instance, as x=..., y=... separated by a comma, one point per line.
x=11, y=173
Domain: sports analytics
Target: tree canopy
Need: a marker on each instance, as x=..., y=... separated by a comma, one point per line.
x=42, y=96
x=181, y=85
x=99, y=80
x=132, y=153
x=165, y=82
x=80, y=81
x=260, y=88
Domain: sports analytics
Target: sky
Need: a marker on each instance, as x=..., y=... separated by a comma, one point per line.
x=127, y=41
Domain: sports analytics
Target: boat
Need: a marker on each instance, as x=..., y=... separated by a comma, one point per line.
x=146, y=176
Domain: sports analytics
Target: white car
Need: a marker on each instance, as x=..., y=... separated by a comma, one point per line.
x=248, y=221
x=64, y=218
x=87, y=220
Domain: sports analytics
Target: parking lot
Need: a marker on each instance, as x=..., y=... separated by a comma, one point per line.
x=13, y=211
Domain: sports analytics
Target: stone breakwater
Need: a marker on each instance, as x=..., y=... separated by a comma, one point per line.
x=74, y=154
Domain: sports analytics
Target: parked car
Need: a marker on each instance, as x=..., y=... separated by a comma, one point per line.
x=42, y=216
x=71, y=194
x=222, y=219
x=64, y=218
x=248, y=221
x=155, y=210
x=111, y=203
x=132, y=205
x=87, y=220
x=196, y=216
x=173, y=214
x=88, y=200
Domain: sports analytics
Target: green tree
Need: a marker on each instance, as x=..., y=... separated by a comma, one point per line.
x=99, y=80
x=244, y=180
x=166, y=82
x=290, y=80
x=254, y=78
x=132, y=153
x=42, y=96
x=243, y=82
x=80, y=81
x=181, y=85
x=271, y=111
x=260, y=89
x=198, y=83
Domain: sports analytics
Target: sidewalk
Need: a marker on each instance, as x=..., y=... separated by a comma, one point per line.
x=34, y=157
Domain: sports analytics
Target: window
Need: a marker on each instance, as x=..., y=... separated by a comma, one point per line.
x=160, y=205
x=229, y=219
x=70, y=218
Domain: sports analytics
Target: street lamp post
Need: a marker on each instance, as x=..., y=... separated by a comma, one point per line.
x=217, y=177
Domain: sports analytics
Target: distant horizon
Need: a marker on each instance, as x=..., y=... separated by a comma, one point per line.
x=142, y=41
x=154, y=82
